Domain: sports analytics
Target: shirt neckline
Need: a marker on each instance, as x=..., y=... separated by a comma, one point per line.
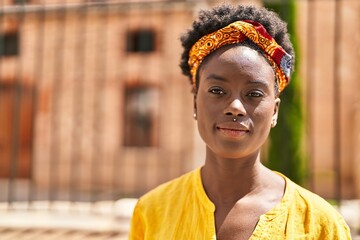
x=280, y=208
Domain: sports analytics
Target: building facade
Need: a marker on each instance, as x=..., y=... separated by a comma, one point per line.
x=93, y=104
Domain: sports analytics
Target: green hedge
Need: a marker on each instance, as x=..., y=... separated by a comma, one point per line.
x=285, y=153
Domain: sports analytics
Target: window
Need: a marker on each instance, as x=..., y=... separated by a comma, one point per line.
x=141, y=107
x=9, y=44
x=141, y=41
x=16, y=115
x=20, y=2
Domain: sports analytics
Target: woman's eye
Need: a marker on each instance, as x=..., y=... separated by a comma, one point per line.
x=217, y=91
x=255, y=94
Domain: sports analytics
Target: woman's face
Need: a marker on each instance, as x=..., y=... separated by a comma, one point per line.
x=236, y=82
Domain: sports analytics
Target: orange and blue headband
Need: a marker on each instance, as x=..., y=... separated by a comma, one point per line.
x=237, y=32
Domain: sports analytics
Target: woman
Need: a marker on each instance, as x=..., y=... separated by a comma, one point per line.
x=238, y=59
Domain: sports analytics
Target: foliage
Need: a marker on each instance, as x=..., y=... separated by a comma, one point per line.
x=285, y=153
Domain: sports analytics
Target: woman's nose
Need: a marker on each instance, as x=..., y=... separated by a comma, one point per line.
x=235, y=108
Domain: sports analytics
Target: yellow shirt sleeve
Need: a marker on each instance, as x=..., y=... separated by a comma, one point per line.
x=180, y=209
x=137, y=230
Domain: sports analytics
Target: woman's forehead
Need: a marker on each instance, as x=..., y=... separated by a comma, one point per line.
x=236, y=59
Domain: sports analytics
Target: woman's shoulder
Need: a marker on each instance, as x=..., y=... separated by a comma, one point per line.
x=175, y=188
x=166, y=205
x=314, y=210
x=305, y=198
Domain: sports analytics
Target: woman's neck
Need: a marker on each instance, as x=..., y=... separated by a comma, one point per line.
x=228, y=180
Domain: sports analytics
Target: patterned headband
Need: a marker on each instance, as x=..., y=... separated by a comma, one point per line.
x=237, y=32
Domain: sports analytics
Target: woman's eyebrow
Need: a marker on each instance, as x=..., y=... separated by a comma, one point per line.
x=215, y=77
x=258, y=82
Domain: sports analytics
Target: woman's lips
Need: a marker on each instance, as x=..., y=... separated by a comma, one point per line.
x=233, y=131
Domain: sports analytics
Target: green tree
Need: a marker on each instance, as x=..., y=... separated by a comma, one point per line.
x=285, y=153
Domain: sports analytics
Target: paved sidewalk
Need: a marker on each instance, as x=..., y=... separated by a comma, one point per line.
x=101, y=220
x=350, y=210
x=57, y=234
x=64, y=220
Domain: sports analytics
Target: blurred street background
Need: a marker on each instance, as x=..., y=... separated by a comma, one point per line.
x=94, y=111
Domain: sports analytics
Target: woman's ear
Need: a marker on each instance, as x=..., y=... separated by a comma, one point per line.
x=276, y=112
x=195, y=107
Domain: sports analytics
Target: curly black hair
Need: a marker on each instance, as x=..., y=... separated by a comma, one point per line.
x=216, y=18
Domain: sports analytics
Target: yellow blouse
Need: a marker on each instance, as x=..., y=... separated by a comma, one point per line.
x=180, y=209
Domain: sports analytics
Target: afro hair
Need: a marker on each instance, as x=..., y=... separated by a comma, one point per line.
x=216, y=18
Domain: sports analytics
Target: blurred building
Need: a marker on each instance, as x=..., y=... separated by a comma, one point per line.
x=93, y=104
x=96, y=96
x=329, y=66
